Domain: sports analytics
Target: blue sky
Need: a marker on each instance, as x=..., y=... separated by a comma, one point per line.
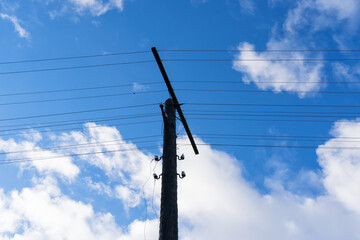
x=77, y=144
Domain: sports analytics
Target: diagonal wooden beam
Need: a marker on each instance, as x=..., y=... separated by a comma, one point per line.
x=173, y=96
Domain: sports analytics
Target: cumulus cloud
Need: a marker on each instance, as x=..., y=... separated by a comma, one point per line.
x=227, y=206
x=342, y=166
x=308, y=16
x=43, y=212
x=215, y=201
x=17, y=25
x=278, y=76
x=31, y=155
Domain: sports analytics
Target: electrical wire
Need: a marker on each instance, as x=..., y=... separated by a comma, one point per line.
x=143, y=195
x=260, y=91
x=277, y=136
x=72, y=129
x=76, y=67
x=73, y=57
x=260, y=60
x=72, y=122
x=153, y=192
x=268, y=120
x=275, y=139
x=273, y=146
x=275, y=82
x=274, y=105
x=255, y=111
x=81, y=98
x=174, y=50
x=273, y=115
x=259, y=50
x=22, y=160
x=83, y=122
x=79, y=112
x=87, y=145
x=178, y=60
x=78, y=89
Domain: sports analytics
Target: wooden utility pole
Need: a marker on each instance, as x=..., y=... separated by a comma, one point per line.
x=168, y=207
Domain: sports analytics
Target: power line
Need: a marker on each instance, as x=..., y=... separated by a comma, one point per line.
x=80, y=98
x=261, y=60
x=266, y=120
x=174, y=50
x=72, y=129
x=260, y=50
x=248, y=111
x=77, y=89
x=176, y=60
x=260, y=91
x=272, y=82
x=73, y=57
x=273, y=105
x=153, y=83
x=149, y=83
x=78, y=112
x=273, y=115
x=93, y=144
x=277, y=139
x=77, y=67
x=83, y=122
x=277, y=136
x=73, y=121
x=274, y=146
x=21, y=160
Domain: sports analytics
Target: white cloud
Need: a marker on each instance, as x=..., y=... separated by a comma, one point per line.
x=43, y=212
x=34, y=155
x=247, y=6
x=298, y=31
x=278, y=76
x=137, y=87
x=215, y=201
x=129, y=197
x=347, y=73
x=342, y=167
x=99, y=187
x=321, y=14
x=96, y=7
x=17, y=25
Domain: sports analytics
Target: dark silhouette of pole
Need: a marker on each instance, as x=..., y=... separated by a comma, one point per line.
x=169, y=208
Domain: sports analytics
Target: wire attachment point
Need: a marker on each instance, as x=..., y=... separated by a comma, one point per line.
x=157, y=158
x=182, y=175
x=156, y=177
x=182, y=157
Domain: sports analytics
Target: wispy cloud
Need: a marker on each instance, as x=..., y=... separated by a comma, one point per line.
x=308, y=16
x=247, y=6
x=22, y=32
x=96, y=7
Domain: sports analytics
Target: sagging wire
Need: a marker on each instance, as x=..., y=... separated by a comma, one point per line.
x=143, y=196
x=153, y=193
x=151, y=171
